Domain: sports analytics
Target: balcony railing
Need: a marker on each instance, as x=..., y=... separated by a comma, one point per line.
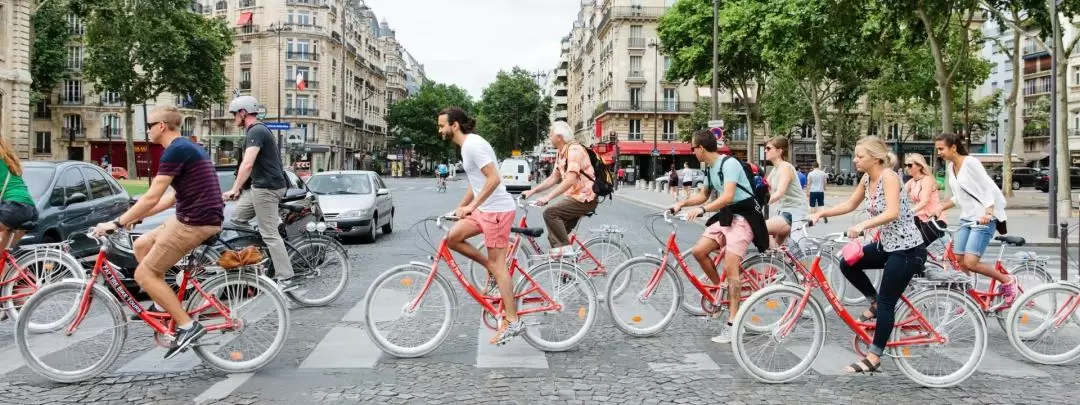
x=110, y=133
x=247, y=29
x=245, y=85
x=72, y=100
x=111, y=101
x=74, y=133
x=245, y=58
x=630, y=12
x=353, y=121
x=247, y=3
x=635, y=75
x=1036, y=133
x=302, y=112
x=301, y=55
x=314, y=3
x=309, y=28
x=636, y=43
x=309, y=84
x=648, y=106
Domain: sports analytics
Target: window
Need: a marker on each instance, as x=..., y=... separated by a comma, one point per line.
x=635, y=31
x=73, y=122
x=2, y=21
x=667, y=66
x=43, y=143
x=71, y=182
x=75, y=25
x=1076, y=75
x=110, y=126
x=635, y=130
x=669, y=130
x=671, y=98
x=75, y=57
x=635, y=98
x=113, y=97
x=72, y=91
x=99, y=186
x=635, y=67
x=300, y=18
x=993, y=85
x=1008, y=85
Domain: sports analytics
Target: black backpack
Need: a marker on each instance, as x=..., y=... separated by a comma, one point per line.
x=604, y=183
x=759, y=186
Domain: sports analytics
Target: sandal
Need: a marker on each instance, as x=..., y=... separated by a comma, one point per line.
x=499, y=332
x=869, y=315
x=864, y=366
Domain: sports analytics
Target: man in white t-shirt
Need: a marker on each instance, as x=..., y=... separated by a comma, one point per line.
x=815, y=186
x=487, y=208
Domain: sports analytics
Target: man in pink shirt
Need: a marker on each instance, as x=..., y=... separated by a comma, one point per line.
x=574, y=175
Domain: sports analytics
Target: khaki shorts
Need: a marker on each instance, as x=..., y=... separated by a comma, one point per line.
x=170, y=241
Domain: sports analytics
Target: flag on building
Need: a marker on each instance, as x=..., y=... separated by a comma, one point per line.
x=300, y=83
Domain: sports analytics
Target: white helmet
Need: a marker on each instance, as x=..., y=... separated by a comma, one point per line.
x=246, y=103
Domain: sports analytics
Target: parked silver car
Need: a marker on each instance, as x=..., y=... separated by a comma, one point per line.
x=355, y=201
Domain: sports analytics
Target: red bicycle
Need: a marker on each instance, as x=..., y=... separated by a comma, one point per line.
x=408, y=292
x=639, y=283
x=772, y=319
x=219, y=304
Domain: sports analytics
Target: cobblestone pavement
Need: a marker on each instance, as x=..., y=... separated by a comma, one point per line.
x=329, y=359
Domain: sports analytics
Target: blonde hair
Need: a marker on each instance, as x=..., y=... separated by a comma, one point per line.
x=8, y=154
x=918, y=159
x=170, y=115
x=877, y=149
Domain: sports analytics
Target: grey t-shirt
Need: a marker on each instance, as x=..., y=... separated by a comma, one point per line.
x=815, y=181
x=268, y=170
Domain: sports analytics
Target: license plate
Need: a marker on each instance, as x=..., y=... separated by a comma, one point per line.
x=331, y=224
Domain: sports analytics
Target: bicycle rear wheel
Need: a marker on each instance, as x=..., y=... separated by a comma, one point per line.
x=771, y=318
x=45, y=267
x=89, y=351
x=952, y=315
x=566, y=286
x=632, y=312
x=255, y=304
x=607, y=254
x=389, y=301
x=324, y=264
x=1044, y=324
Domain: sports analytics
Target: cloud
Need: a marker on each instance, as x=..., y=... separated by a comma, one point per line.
x=467, y=42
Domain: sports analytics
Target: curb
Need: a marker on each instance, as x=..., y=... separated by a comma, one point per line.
x=647, y=204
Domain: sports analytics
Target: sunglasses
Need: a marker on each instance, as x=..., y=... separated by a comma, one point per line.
x=150, y=125
x=913, y=165
x=769, y=148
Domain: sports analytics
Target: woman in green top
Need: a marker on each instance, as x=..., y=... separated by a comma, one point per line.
x=16, y=206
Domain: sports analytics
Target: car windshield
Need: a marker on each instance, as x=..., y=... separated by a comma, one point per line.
x=38, y=179
x=340, y=184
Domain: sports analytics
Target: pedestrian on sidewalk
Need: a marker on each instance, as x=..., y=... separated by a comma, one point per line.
x=815, y=187
x=980, y=202
x=787, y=202
x=687, y=176
x=673, y=182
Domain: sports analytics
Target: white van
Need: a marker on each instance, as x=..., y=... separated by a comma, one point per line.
x=516, y=175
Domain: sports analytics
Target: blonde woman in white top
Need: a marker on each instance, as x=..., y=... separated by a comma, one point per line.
x=788, y=202
x=981, y=202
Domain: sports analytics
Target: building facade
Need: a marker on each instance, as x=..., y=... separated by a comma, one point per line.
x=15, y=75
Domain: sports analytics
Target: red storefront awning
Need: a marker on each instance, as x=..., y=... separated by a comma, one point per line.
x=245, y=18
x=644, y=148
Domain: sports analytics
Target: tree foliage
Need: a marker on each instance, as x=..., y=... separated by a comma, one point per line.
x=699, y=119
x=512, y=113
x=141, y=49
x=414, y=120
x=48, y=54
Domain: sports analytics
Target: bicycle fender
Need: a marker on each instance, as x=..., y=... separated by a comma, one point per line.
x=421, y=264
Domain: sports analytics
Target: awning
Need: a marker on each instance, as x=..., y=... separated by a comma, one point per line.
x=645, y=148
x=245, y=18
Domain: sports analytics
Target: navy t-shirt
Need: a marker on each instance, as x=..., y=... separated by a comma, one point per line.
x=198, y=195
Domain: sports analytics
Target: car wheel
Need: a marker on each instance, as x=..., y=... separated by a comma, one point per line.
x=389, y=227
x=369, y=237
x=1016, y=185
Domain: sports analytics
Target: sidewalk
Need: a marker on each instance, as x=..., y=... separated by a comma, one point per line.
x=1028, y=217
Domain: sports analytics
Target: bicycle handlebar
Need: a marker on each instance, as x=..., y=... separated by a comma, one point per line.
x=971, y=225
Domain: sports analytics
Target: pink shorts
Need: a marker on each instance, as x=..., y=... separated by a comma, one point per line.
x=735, y=238
x=495, y=226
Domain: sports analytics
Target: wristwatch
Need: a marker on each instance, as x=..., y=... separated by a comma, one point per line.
x=118, y=224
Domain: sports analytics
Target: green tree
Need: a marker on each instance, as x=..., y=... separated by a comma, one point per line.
x=699, y=119
x=48, y=54
x=141, y=49
x=784, y=107
x=414, y=120
x=512, y=113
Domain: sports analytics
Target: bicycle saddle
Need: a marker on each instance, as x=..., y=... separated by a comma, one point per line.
x=530, y=232
x=1011, y=240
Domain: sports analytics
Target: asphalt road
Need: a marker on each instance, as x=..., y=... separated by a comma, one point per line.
x=329, y=359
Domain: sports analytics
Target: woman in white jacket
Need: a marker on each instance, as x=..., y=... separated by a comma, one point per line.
x=981, y=202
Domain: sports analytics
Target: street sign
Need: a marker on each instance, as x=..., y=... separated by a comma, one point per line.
x=277, y=126
x=715, y=124
x=655, y=152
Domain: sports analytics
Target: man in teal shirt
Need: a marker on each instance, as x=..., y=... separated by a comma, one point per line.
x=731, y=239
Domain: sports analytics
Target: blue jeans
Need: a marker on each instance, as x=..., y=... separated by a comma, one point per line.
x=899, y=267
x=973, y=241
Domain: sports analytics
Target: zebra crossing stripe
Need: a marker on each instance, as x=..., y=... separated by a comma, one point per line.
x=223, y=388
x=997, y=364
x=516, y=353
x=11, y=359
x=691, y=362
x=830, y=361
x=344, y=347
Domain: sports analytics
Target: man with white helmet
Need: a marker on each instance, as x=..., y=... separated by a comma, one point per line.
x=261, y=162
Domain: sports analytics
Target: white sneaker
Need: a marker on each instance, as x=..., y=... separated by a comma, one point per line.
x=563, y=251
x=726, y=334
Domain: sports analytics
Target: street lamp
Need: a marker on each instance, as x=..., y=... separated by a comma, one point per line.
x=653, y=43
x=278, y=28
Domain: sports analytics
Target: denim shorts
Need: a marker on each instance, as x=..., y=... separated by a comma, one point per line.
x=973, y=241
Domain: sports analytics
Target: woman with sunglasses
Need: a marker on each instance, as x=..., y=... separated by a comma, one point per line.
x=922, y=188
x=788, y=202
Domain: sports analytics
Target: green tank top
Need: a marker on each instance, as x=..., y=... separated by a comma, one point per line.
x=16, y=189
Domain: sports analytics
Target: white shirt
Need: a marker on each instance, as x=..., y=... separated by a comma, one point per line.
x=476, y=153
x=973, y=190
x=815, y=181
x=686, y=175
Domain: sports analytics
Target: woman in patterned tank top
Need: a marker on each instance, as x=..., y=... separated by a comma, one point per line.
x=899, y=248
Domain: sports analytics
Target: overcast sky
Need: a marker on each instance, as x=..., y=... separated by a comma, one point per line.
x=466, y=42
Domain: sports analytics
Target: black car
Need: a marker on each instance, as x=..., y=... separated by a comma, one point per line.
x=1021, y=177
x=71, y=197
x=1042, y=181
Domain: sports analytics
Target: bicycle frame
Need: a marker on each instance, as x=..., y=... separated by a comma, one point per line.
x=9, y=260
x=487, y=302
x=160, y=322
x=574, y=240
x=983, y=298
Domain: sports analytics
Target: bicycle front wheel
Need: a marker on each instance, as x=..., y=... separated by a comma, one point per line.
x=90, y=350
x=788, y=339
x=1044, y=324
x=1029, y=275
x=405, y=315
x=325, y=262
x=256, y=327
x=953, y=316
x=563, y=284
x=605, y=253
x=650, y=300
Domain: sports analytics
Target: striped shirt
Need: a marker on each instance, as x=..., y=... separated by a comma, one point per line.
x=198, y=195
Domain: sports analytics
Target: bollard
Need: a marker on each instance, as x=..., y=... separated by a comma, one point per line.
x=1064, y=236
